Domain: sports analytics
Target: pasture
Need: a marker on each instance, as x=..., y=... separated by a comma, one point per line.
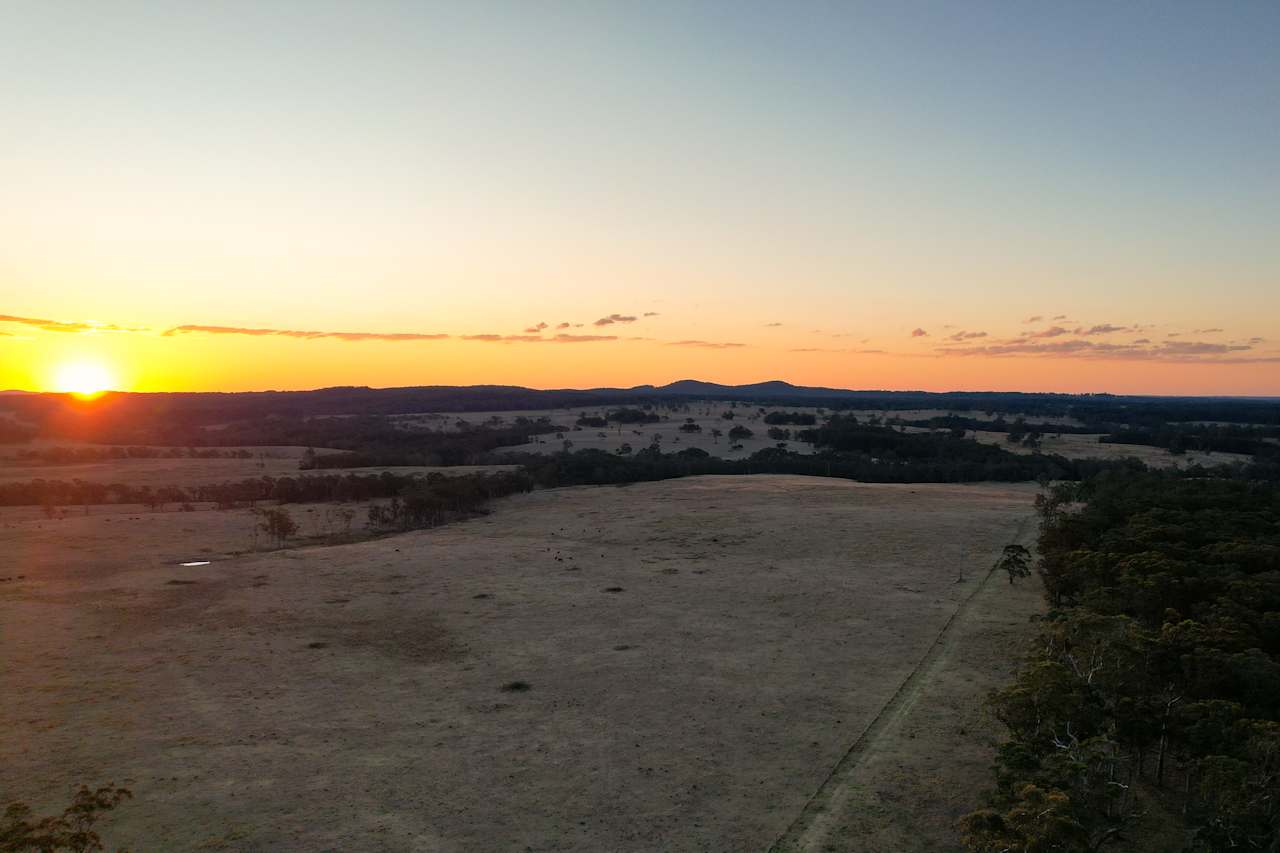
x=677, y=665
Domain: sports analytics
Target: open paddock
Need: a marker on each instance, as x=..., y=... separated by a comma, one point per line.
x=663, y=666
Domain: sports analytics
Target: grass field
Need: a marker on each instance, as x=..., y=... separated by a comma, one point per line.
x=676, y=666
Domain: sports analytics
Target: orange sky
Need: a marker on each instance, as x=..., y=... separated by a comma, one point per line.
x=1065, y=197
x=630, y=352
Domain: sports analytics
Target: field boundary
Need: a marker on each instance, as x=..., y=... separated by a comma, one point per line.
x=811, y=826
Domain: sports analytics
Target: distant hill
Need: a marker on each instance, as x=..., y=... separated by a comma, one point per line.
x=774, y=388
x=127, y=414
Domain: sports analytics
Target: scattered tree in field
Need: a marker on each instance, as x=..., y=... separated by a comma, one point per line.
x=1016, y=560
x=691, y=427
x=70, y=832
x=738, y=433
x=277, y=523
x=715, y=435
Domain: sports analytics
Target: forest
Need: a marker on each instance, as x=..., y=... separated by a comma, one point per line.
x=1151, y=697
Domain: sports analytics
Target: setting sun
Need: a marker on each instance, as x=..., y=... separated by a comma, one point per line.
x=84, y=378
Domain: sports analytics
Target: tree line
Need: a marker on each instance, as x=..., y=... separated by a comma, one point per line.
x=1152, y=693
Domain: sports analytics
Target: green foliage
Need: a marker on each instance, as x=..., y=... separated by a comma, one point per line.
x=70, y=832
x=1158, y=666
x=277, y=523
x=1016, y=561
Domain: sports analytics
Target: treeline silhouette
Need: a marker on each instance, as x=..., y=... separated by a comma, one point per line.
x=371, y=442
x=997, y=424
x=1212, y=438
x=306, y=488
x=792, y=418
x=850, y=450
x=192, y=419
x=1154, y=686
x=72, y=455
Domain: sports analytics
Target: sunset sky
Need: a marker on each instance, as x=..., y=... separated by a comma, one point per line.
x=1073, y=196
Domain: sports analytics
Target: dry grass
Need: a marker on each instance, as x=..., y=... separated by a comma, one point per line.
x=352, y=697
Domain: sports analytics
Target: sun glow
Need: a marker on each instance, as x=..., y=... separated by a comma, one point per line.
x=83, y=378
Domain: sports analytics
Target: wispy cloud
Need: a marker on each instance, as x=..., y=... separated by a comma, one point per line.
x=562, y=325
x=705, y=344
x=966, y=336
x=650, y=314
x=581, y=339
x=533, y=330
x=302, y=334
x=71, y=328
x=1034, y=318
x=1051, y=332
x=772, y=325
x=1141, y=350
x=1104, y=329
x=919, y=333
x=614, y=318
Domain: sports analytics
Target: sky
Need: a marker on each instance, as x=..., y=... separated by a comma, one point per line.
x=1046, y=196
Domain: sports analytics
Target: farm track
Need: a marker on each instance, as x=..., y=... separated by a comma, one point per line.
x=811, y=828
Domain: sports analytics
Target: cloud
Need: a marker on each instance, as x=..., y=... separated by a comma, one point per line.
x=1104, y=329
x=582, y=339
x=1058, y=317
x=533, y=330
x=72, y=328
x=302, y=334
x=772, y=325
x=650, y=314
x=1035, y=318
x=1205, y=331
x=562, y=325
x=1141, y=350
x=966, y=336
x=614, y=318
x=1051, y=332
x=919, y=333
x=705, y=344
x=1202, y=347
x=1143, y=341
x=1257, y=340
